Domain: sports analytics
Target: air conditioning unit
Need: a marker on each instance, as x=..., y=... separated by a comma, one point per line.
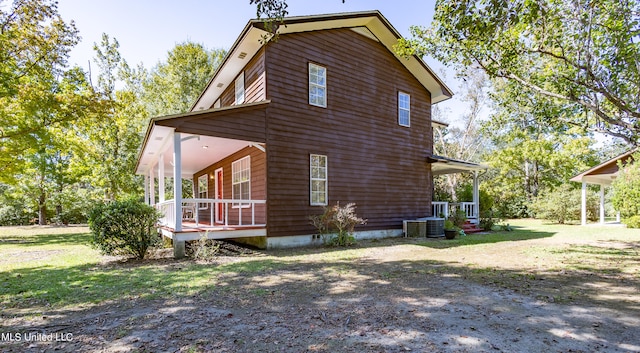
x=435, y=227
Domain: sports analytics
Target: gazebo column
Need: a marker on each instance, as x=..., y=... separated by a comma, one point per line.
x=601, y=204
x=178, y=245
x=583, y=213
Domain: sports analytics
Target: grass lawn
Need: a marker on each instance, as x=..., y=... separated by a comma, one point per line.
x=45, y=267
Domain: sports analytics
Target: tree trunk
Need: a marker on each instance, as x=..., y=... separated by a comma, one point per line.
x=42, y=209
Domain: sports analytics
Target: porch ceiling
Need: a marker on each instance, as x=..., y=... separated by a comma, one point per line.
x=198, y=151
x=443, y=165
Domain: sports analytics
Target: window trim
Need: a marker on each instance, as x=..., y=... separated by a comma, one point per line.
x=325, y=179
x=205, y=177
x=234, y=173
x=313, y=84
x=239, y=89
x=402, y=109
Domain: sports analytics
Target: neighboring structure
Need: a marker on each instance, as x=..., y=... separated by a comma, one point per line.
x=326, y=113
x=603, y=175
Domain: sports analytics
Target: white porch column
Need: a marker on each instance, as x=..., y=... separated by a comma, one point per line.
x=146, y=190
x=601, y=204
x=476, y=196
x=152, y=187
x=177, y=180
x=583, y=213
x=161, y=180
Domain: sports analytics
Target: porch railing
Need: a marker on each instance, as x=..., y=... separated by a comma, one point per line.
x=446, y=208
x=193, y=208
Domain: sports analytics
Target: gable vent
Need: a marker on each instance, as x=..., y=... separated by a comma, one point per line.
x=242, y=55
x=220, y=85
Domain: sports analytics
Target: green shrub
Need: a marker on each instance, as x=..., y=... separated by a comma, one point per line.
x=632, y=222
x=126, y=228
x=626, y=189
x=488, y=219
x=336, y=224
x=458, y=218
x=564, y=204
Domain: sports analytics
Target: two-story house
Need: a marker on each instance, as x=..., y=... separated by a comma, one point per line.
x=327, y=112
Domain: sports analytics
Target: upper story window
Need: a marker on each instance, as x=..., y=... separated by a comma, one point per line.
x=240, y=89
x=241, y=174
x=404, y=109
x=317, y=85
x=318, y=166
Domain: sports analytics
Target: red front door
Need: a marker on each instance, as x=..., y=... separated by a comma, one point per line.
x=219, y=196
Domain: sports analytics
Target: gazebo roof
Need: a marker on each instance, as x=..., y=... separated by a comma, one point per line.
x=604, y=173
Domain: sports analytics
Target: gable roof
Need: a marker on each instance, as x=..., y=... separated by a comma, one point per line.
x=368, y=23
x=604, y=173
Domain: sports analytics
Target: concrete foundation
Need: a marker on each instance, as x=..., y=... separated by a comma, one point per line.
x=314, y=240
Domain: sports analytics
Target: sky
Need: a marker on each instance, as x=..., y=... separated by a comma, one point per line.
x=147, y=30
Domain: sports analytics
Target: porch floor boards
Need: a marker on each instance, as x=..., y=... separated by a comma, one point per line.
x=191, y=231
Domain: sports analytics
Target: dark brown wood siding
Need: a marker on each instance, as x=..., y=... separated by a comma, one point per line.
x=241, y=123
x=372, y=161
x=258, y=184
x=254, y=83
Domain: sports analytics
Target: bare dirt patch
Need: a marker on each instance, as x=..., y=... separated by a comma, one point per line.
x=396, y=295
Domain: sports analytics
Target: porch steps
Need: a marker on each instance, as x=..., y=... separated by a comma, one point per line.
x=470, y=228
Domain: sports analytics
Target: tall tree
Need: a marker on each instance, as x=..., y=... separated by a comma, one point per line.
x=462, y=141
x=530, y=155
x=114, y=131
x=174, y=85
x=34, y=46
x=582, y=56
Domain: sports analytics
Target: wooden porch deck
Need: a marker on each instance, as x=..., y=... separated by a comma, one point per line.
x=191, y=231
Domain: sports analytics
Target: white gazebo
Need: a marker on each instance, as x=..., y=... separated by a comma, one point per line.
x=603, y=175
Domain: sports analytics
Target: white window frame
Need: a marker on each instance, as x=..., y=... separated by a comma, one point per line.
x=241, y=177
x=203, y=191
x=316, y=173
x=239, y=89
x=402, y=108
x=317, y=83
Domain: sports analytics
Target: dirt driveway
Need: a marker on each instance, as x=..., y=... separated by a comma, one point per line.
x=395, y=295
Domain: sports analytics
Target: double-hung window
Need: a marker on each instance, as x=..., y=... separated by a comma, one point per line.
x=318, y=166
x=241, y=185
x=404, y=109
x=317, y=85
x=203, y=190
x=239, y=89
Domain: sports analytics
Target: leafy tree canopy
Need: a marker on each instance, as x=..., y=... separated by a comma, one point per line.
x=581, y=56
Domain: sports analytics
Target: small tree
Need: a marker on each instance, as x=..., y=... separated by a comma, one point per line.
x=336, y=224
x=126, y=228
x=626, y=188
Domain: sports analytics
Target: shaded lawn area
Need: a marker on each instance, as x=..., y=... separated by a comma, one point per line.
x=55, y=267
x=50, y=272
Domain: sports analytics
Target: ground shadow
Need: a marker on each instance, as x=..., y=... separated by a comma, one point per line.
x=321, y=305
